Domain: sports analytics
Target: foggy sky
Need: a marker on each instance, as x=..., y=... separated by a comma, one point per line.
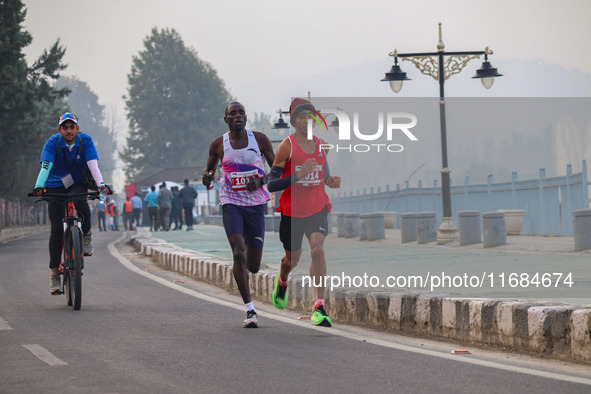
x=268, y=51
x=273, y=45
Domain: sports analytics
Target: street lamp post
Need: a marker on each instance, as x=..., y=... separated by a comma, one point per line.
x=441, y=65
x=280, y=130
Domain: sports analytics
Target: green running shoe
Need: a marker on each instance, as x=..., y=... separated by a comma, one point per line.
x=279, y=295
x=320, y=318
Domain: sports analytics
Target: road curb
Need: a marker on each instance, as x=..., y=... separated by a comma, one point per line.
x=560, y=331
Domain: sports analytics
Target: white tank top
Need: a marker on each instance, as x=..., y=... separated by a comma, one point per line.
x=238, y=165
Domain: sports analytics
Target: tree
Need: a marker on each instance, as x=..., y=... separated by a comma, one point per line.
x=260, y=122
x=175, y=103
x=29, y=104
x=83, y=102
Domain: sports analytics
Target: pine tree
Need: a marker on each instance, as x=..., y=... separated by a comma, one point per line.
x=29, y=104
x=175, y=104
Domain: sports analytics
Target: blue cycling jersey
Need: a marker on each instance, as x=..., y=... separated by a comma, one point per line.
x=67, y=161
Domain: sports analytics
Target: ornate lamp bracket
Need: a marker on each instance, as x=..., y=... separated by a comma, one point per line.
x=426, y=65
x=454, y=64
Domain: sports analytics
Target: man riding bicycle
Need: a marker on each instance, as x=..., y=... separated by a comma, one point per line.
x=65, y=157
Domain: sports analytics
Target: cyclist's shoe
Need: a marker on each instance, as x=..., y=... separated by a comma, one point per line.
x=54, y=285
x=251, y=320
x=279, y=295
x=87, y=245
x=320, y=318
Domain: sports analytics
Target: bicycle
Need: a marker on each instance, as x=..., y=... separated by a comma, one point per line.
x=73, y=261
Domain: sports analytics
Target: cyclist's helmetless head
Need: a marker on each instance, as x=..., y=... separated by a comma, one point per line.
x=68, y=127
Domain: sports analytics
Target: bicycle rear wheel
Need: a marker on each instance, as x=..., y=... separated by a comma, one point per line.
x=75, y=272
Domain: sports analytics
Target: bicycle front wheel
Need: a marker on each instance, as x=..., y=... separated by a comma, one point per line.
x=75, y=277
x=65, y=268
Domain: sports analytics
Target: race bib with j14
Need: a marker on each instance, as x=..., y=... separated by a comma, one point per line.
x=313, y=178
x=240, y=179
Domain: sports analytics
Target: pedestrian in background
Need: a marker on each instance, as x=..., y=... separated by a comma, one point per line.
x=114, y=213
x=152, y=201
x=188, y=194
x=175, y=207
x=165, y=204
x=136, y=206
x=101, y=206
x=127, y=214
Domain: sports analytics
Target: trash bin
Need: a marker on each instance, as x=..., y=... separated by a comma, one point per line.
x=389, y=218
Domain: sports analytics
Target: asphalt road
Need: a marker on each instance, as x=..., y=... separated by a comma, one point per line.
x=140, y=332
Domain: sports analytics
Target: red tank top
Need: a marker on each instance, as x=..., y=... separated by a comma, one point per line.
x=307, y=196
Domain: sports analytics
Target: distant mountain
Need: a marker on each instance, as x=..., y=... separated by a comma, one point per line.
x=484, y=136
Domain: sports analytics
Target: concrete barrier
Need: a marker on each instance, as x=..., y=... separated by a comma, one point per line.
x=216, y=220
x=341, y=229
x=374, y=225
x=333, y=219
x=493, y=229
x=17, y=232
x=269, y=223
x=363, y=227
x=426, y=227
x=408, y=227
x=469, y=227
x=351, y=225
x=582, y=229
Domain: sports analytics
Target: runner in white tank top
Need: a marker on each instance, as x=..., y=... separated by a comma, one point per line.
x=238, y=166
x=243, y=196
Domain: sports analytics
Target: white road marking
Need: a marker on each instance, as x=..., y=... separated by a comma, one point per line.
x=335, y=331
x=4, y=325
x=44, y=355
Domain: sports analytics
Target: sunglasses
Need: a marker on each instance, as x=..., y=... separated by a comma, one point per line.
x=68, y=116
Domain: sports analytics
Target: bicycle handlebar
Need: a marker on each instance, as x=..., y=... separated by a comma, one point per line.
x=91, y=195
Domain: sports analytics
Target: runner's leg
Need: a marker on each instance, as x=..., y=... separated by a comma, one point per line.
x=239, y=270
x=254, y=236
x=318, y=264
x=234, y=226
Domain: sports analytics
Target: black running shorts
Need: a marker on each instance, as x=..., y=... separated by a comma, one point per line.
x=292, y=230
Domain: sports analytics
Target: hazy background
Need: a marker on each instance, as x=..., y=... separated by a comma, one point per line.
x=268, y=51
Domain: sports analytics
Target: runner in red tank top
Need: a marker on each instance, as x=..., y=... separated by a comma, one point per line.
x=300, y=169
x=308, y=193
